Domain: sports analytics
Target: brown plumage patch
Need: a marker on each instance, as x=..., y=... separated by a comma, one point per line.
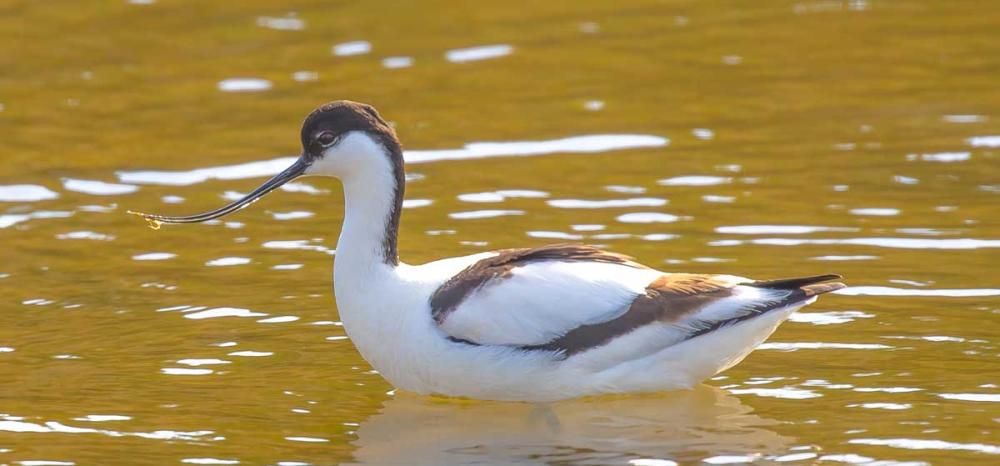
x=669, y=298
x=688, y=283
x=820, y=288
x=449, y=295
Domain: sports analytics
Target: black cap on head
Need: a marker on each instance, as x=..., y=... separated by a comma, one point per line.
x=340, y=117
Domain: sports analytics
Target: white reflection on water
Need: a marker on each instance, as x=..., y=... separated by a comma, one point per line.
x=89, y=235
x=577, y=144
x=885, y=242
x=228, y=261
x=695, y=180
x=154, y=256
x=483, y=52
x=844, y=258
x=987, y=397
x=9, y=220
x=185, y=371
x=637, y=429
x=555, y=235
x=922, y=444
x=307, y=439
x=305, y=76
x=251, y=354
x=293, y=215
x=890, y=291
x=202, y=362
x=820, y=345
x=397, y=62
x=593, y=105
x=416, y=203
x=876, y=211
x=103, y=418
x=647, y=217
x=357, y=47
x=943, y=157
x=828, y=318
x=984, y=141
x=963, y=118
x=617, y=188
x=208, y=461
x=244, y=85
x=731, y=459
x=887, y=389
x=889, y=406
x=278, y=320
x=98, y=188
x=718, y=199
x=606, y=203
x=501, y=195
x=217, y=312
x=478, y=150
x=26, y=193
x=777, y=229
x=704, y=134
x=54, y=426
x=488, y=213
x=281, y=24
x=789, y=393
x=303, y=244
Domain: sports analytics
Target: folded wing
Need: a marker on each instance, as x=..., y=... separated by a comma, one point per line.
x=570, y=298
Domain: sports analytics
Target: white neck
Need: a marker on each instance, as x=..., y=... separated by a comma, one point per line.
x=369, y=233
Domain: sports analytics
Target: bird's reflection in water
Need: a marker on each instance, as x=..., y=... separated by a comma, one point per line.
x=683, y=426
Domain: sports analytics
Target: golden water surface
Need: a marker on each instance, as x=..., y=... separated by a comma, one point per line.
x=766, y=139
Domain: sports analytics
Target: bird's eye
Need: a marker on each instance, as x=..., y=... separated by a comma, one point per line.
x=326, y=138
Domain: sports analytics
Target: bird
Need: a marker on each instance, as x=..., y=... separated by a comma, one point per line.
x=533, y=324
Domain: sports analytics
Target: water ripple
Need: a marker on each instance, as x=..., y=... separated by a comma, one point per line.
x=26, y=193
x=891, y=291
x=483, y=52
x=281, y=24
x=397, y=62
x=53, y=426
x=606, y=203
x=984, y=141
x=778, y=229
x=244, y=85
x=821, y=345
x=98, y=188
x=487, y=213
x=883, y=242
x=987, y=397
x=586, y=144
x=920, y=444
x=695, y=180
x=647, y=217
x=347, y=49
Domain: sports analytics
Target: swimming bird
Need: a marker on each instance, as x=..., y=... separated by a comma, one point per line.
x=526, y=324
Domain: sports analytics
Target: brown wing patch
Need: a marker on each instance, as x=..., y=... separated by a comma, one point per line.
x=688, y=283
x=449, y=295
x=667, y=299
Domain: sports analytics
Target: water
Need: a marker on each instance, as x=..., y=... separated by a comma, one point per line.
x=770, y=140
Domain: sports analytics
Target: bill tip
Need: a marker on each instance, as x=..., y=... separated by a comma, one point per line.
x=152, y=222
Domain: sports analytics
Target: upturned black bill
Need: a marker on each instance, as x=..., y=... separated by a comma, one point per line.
x=289, y=174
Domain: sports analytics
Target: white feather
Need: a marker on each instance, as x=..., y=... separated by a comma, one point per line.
x=542, y=301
